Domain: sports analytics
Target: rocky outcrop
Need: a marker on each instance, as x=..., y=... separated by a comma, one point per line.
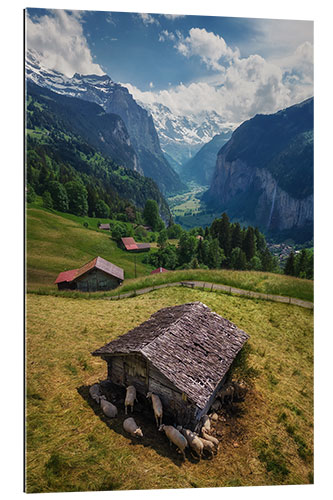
x=255, y=196
x=264, y=174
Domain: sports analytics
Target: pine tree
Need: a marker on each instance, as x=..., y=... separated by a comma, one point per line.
x=289, y=268
x=236, y=236
x=249, y=244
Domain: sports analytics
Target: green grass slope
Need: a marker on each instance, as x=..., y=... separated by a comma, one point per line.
x=57, y=243
x=265, y=440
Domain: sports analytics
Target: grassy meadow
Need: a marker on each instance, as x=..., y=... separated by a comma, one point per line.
x=267, y=439
x=57, y=242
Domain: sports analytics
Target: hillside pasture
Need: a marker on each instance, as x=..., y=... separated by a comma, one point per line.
x=265, y=440
x=56, y=243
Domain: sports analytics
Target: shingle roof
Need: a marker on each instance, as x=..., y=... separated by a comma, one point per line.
x=191, y=345
x=98, y=263
x=66, y=276
x=129, y=243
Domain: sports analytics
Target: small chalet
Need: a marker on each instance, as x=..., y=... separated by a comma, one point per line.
x=98, y=274
x=199, y=237
x=159, y=270
x=131, y=246
x=181, y=353
x=106, y=227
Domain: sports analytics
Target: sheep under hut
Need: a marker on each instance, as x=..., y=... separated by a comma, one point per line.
x=181, y=353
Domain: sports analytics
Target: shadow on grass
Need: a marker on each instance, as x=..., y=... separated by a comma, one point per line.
x=144, y=417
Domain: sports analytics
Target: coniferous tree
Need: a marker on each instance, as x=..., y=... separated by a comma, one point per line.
x=59, y=196
x=249, y=244
x=236, y=236
x=47, y=200
x=289, y=268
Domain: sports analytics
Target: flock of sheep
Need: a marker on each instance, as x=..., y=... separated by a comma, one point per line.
x=182, y=438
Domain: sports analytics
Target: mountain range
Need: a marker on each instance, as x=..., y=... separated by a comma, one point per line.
x=201, y=167
x=264, y=173
x=69, y=139
x=115, y=99
x=181, y=137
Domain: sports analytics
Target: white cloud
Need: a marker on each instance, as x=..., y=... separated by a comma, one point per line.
x=209, y=47
x=166, y=35
x=248, y=86
x=151, y=85
x=148, y=19
x=60, y=40
x=171, y=17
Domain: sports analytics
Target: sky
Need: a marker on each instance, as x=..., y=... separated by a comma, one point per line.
x=235, y=66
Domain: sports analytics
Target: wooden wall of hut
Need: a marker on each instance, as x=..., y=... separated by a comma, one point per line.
x=134, y=369
x=96, y=280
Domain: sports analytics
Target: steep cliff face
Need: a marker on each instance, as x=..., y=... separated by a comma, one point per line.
x=201, y=167
x=264, y=174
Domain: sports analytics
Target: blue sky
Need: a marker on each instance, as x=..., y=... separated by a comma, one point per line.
x=237, y=66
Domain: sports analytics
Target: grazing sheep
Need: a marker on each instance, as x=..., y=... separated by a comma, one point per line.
x=206, y=423
x=208, y=437
x=130, y=397
x=239, y=389
x=108, y=408
x=227, y=391
x=194, y=441
x=208, y=446
x=95, y=392
x=157, y=406
x=130, y=426
x=175, y=437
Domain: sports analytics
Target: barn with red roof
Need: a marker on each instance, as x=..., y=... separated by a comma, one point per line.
x=97, y=274
x=132, y=246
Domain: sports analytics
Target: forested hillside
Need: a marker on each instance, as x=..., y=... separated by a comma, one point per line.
x=82, y=157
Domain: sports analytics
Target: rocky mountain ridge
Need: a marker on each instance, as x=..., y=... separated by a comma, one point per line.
x=115, y=99
x=181, y=137
x=264, y=174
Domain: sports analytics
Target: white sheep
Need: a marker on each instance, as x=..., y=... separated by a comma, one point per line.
x=95, y=392
x=227, y=391
x=206, y=423
x=175, y=437
x=157, y=406
x=108, y=408
x=130, y=397
x=208, y=446
x=194, y=441
x=130, y=426
x=208, y=437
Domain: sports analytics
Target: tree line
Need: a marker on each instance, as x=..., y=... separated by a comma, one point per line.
x=222, y=245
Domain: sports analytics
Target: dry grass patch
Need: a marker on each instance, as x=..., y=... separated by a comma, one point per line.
x=71, y=447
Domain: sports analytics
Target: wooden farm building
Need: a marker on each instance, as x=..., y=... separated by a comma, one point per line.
x=106, y=227
x=159, y=270
x=132, y=246
x=98, y=274
x=181, y=353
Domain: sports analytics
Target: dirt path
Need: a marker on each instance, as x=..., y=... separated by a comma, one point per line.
x=213, y=287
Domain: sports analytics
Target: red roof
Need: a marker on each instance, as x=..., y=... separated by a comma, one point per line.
x=98, y=263
x=159, y=270
x=129, y=243
x=66, y=276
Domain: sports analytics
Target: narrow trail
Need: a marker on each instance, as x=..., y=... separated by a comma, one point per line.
x=215, y=287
